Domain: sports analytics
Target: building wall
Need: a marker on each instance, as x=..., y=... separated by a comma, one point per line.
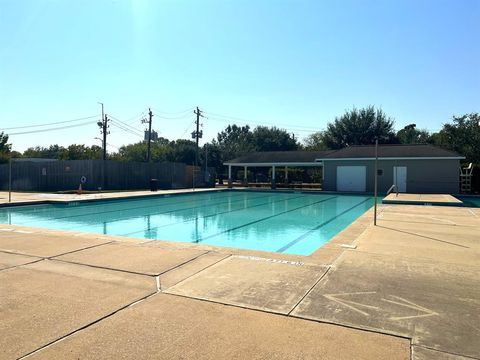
x=423, y=176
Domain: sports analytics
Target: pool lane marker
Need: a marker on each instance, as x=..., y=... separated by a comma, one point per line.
x=126, y=218
x=301, y=237
x=263, y=219
x=215, y=214
x=162, y=213
x=127, y=209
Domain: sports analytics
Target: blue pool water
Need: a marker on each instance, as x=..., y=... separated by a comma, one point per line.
x=470, y=201
x=293, y=223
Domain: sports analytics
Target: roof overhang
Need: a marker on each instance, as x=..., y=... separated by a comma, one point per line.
x=269, y=164
x=397, y=158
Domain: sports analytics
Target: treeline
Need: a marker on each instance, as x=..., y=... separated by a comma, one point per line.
x=354, y=127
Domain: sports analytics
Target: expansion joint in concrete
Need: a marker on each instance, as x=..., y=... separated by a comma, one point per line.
x=87, y=325
x=443, y=352
x=310, y=290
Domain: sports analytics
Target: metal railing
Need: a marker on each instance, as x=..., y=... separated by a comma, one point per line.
x=394, y=186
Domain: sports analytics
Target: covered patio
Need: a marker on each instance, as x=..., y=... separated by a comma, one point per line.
x=276, y=161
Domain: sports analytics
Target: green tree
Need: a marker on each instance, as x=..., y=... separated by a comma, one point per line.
x=462, y=136
x=272, y=139
x=183, y=151
x=133, y=152
x=234, y=141
x=212, y=156
x=360, y=127
x=5, y=148
x=411, y=135
x=52, y=152
x=81, y=152
x=230, y=143
x=315, y=142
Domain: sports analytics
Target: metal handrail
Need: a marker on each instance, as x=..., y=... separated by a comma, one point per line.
x=391, y=188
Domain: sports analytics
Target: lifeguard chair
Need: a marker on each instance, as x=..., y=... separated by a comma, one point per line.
x=466, y=178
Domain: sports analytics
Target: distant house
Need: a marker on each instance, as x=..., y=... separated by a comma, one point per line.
x=413, y=168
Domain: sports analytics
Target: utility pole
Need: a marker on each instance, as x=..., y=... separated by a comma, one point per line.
x=105, y=131
x=100, y=124
x=150, y=116
x=198, y=133
x=103, y=125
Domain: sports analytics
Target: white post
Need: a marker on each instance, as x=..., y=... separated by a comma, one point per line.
x=10, y=179
x=229, y=176
x=286, y=174
x=273, y=177
x=245, y=178
x=375, y=185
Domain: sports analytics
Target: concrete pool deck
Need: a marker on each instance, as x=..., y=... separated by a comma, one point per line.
x=421, y=199
x=406, y=289
x=20, y=198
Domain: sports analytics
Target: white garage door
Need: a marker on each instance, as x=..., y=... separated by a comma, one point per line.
x=351, y=178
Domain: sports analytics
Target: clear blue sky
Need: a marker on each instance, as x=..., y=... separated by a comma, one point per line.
x=297, y=63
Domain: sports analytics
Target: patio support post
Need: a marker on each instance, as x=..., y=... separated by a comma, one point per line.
x=286, y=174
x=245, y=178
x=229, y=176
x=273, y=177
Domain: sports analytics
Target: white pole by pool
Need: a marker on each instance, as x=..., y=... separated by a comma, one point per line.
x=273, y=177
x=376, y=180
x=10, y=180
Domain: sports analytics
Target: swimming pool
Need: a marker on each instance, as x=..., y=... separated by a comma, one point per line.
x=285, y=222
x=470, y=201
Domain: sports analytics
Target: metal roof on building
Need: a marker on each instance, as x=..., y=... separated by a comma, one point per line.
x=392, y=151
x=419, y=151
x=275, y=157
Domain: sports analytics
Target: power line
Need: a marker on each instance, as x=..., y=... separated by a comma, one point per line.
x=174, y=117
x=52, y=123
x=114, y=146
x=188, y=128
x=133, y=119
x=174, y=113
x=307, y=129
x=52, y=129
x=227, y=117
x=121, y=127
x=125, y=124
x=125, y=129
x=264, y=124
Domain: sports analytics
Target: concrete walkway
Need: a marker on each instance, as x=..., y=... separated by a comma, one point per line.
x=32, y=197
x=421, y=199
x=406, y=289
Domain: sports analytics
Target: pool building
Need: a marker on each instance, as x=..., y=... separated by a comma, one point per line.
x=412, y=168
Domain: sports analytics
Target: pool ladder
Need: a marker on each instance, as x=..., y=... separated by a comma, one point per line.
x=394, y=186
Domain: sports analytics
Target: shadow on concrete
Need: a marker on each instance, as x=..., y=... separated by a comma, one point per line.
x=423, y=236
